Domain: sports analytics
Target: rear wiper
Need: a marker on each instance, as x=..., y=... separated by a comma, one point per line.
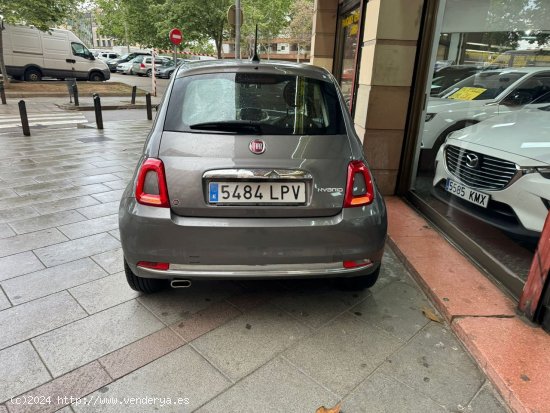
x=229, y=126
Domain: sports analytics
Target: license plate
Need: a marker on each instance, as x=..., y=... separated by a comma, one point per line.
x=466, y=193
x=284, y=193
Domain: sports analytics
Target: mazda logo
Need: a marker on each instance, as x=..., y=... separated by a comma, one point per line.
x=472, y=160
x=257, y=146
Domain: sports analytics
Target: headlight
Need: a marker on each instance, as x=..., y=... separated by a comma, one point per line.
x=429, y=117
x=544, y=171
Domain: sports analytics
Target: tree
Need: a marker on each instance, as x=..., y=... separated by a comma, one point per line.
x=43, y=14
x=301, y=23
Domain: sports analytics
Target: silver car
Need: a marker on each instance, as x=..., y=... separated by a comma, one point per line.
x=252, y=170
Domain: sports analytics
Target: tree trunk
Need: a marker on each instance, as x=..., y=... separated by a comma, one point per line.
x=2, y=64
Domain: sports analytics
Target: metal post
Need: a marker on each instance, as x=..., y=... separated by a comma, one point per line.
x=2, y=93
x=75, y=94
x=134, y=91
x=237, y=29
x=149, y=108
x=175, y=54
x=24, y=118
x=97, y=107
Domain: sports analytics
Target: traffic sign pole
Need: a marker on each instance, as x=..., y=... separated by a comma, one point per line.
x=237, y=29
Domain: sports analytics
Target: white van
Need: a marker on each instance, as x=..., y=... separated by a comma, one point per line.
x=31, y=54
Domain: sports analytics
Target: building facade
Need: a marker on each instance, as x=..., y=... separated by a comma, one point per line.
x=451, y=99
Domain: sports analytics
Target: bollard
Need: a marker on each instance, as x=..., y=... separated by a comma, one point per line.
x=149, y=108
x=134, y=91
x=2, y=93
x=97, y=107
x=24, y=118
x=75, y=94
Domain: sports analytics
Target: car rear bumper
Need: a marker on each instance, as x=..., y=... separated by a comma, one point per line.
x=251, y=247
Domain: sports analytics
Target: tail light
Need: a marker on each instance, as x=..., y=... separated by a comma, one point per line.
x=357, y=263
x=163, y=266
x=359, y=187
x=142, y=65
x=151, y=186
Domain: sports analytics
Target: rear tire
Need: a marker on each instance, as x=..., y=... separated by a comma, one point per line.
x=32, y=74
x=144, y=285
x=360, y=282
x=149, y=73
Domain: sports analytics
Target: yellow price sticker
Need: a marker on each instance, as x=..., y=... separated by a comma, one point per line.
x=467, y=93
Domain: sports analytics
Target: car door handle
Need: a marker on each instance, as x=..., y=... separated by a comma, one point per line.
x=70, y=60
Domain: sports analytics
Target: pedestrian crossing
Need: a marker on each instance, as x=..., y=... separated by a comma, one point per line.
x=59, y=120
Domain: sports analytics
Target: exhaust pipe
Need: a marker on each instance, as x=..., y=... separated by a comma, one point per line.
x=180, y=283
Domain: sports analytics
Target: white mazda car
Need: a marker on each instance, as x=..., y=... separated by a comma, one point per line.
x=479, y=97
x=499, y=170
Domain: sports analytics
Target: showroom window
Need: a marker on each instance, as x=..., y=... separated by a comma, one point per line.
x=348, y=32
x=483, y=154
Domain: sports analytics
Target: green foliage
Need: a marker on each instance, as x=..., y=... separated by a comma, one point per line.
x=40, y=13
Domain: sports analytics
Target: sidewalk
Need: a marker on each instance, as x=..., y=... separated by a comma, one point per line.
x=71, y=327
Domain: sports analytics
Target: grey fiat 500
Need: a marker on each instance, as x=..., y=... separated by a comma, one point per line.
x=252, y=170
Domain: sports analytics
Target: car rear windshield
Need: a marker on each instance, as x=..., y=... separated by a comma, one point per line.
x=253, y=102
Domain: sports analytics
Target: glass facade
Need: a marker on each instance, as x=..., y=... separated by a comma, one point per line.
x=483, y=157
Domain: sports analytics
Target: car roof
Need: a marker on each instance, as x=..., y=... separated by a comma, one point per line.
x=232, y=65
x=519, y=69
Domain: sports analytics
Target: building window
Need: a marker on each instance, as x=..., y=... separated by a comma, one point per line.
x=483, y=160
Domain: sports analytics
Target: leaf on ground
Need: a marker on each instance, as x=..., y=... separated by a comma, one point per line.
x=323, y=409
x=431, y=315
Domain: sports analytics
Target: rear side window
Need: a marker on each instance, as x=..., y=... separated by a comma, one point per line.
x=274, y=104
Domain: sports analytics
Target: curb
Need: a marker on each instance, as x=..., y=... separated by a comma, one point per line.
x=103, y=107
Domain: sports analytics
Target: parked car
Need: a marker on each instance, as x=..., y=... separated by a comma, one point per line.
x=481, y=96
x=252, y=170
x=113, y=63
x=143, y=65
x=165, y=70
x=126, y=67
x=107, y=55
x=499, y=170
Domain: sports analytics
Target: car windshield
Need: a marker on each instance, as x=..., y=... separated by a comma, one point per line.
x=124, y=56
x=251, y=102
x=482, y=86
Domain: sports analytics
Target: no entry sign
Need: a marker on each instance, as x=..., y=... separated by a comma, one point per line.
x=175, y=36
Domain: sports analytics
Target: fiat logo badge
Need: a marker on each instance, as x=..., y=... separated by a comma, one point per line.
x=257, y=146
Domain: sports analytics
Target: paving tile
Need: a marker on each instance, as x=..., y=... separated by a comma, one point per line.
x=205, y=320
x=100, y=210
x=165, y=378
x=174, y=305
x=65, y=204
x=76, y=384
x=109, y=196
x=75, y=249
x=106, y=169
x=6, y=231
x=434, y=362
x=85, y=340
x=245, y=343
x=46, y=221
x=111, y=261
x=21, y=370
x=292, y=391
x=27, y=242
x=383, y=394
x=486, y=401
x=3, y=409
x=104, y=293
x=122, y=184
x=19, y=264
x=42, y=187
x=37, y=317
x=51, y=280
x=81, y=190
x=141, y=352
x=397, y=309
x=8, y=193
x=26, y=200
x=249, y=300
x=343, y=353
x=14, y=214
x=4, y=302
x=94, y=179
x=115, y=233
x=515, y=357
x=14, y=183
x=90, y=227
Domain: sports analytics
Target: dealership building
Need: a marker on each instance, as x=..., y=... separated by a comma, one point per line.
x=451, y=99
